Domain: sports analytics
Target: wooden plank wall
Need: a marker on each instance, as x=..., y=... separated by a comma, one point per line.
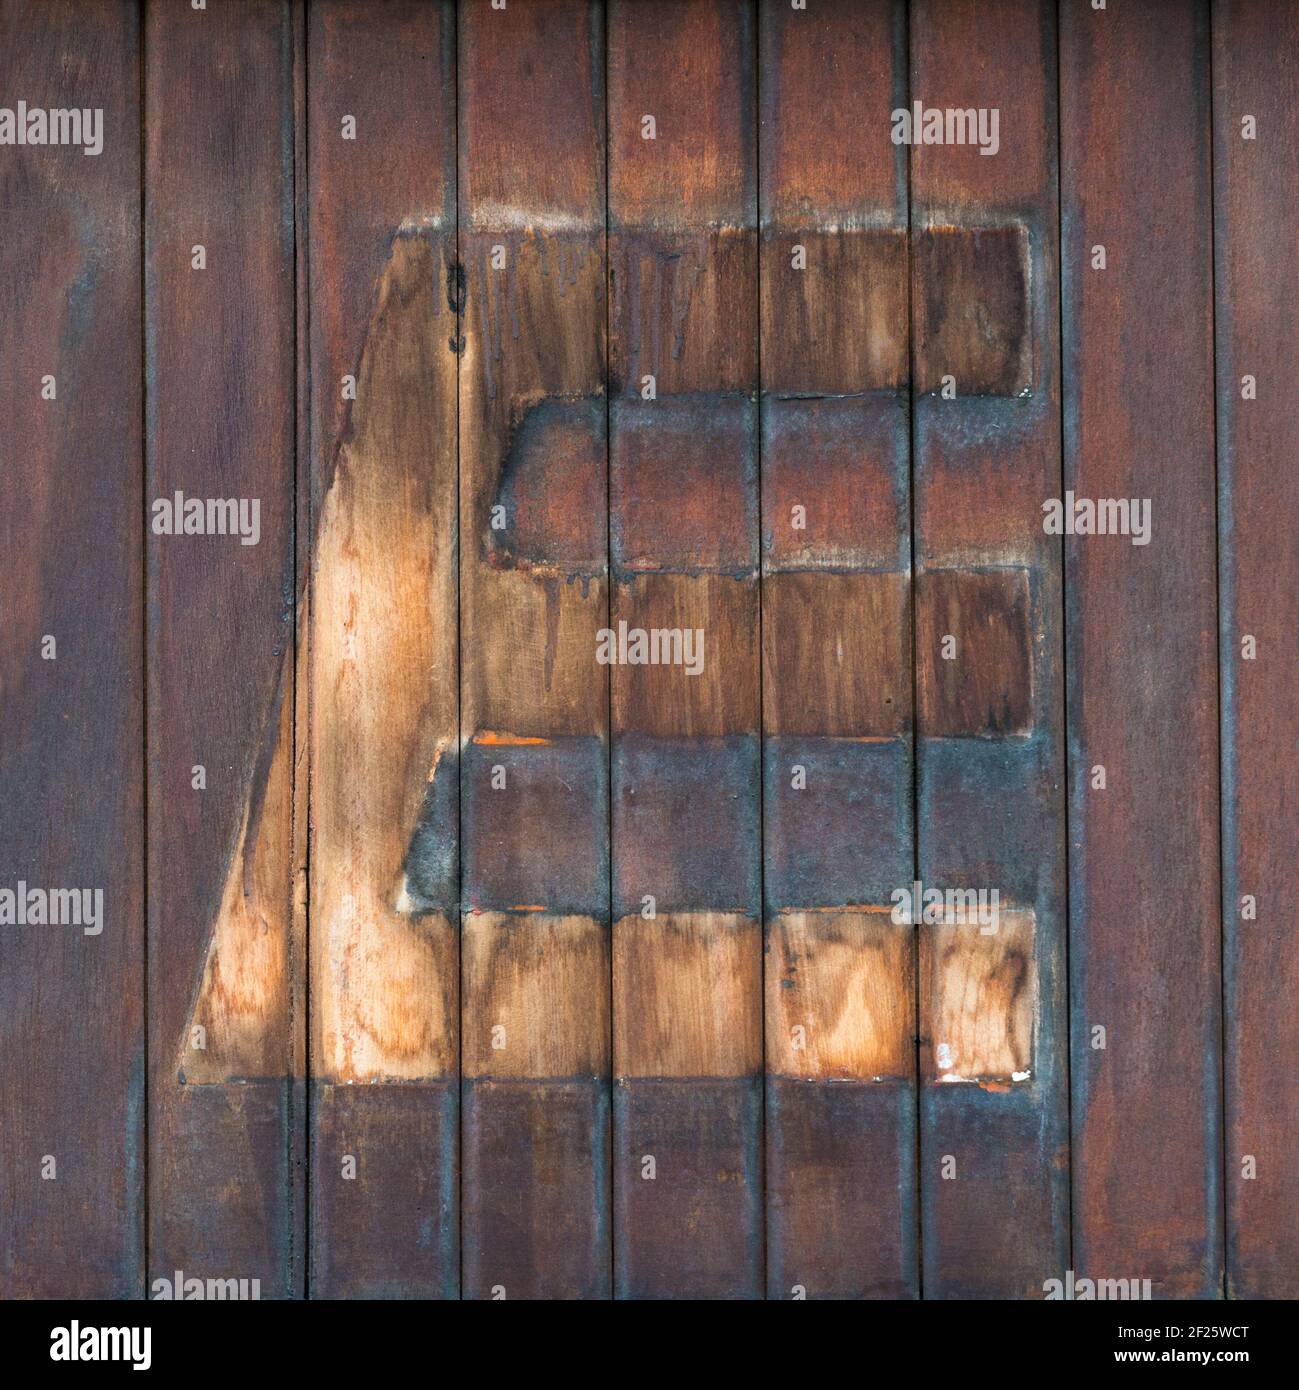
x=683, y=351
x=989, y=716
x=836, y=628
x=1141, y=629
x=447, y=952
x=72, y=1107
x=384, y=852
x=224, y=1117
x=1256, y=195
x=534, y=597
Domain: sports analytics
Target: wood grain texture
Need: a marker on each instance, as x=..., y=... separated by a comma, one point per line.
x=220, y=369
x=384, y=888
x=1256, y=191
x=1142, y=642
x=71, y=764
x=979, y=999
x=686, y=841
x=500, y=855
x=534, y=595
x=840, y=996
x=990, y=715
x=300, y=849
x=985, y=688
x=836, y=627
x=972, y=308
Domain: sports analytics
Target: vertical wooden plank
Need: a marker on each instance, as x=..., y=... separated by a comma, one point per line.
x=299, y=945
x=534, y=700
x=989, y=648
x=1141, y=623
x=220, y=419
x=384, y=670
x=1256, y=211
x=836, y=555
x=71, y=664
x=687, y=984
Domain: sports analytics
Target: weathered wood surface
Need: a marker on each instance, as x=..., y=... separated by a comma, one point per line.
x=1256, y=206
x=72, y=1066
x=1141, y=627
x=478, y=969
x=534, y=700
x=836, y=629
x=225, y=1118
x=990, y=792
x=686, y=838
x=384, y=853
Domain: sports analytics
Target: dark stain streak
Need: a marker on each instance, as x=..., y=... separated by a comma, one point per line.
x=393, y=293
x=431, y=863
x=457, y=282
x=974, y=321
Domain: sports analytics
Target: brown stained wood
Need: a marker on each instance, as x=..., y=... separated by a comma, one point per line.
x=527, y=984
x=299, y=946
x=837, y=633
x=534, y=596
x=71, y=810
x=246, y=975
x=665, y=700
x=405, y=363
x=526, y=344
x=530, y=1218
x=826, y=77
x=851, y=341
x=972, y=319
x=990, y=752
x=534, y=339
x=533, y=369
x=383, y=657
x=1255, y=193
x=833, y=497
x=685, y=766
x=383, y=661
x=978, y=999
x=825, y=1141
x=531, y=120
x=840, y=997
x=690, y=1150
x=1142, y=630
x=220, y=418
x=687, y=983
x=682, y=499
x=674, y=291
x=682, y=62
x=388, y=1228
x=974, y=653
x=835, y=649
x=552, y=487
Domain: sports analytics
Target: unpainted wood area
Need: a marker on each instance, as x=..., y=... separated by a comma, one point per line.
x=647, y=648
